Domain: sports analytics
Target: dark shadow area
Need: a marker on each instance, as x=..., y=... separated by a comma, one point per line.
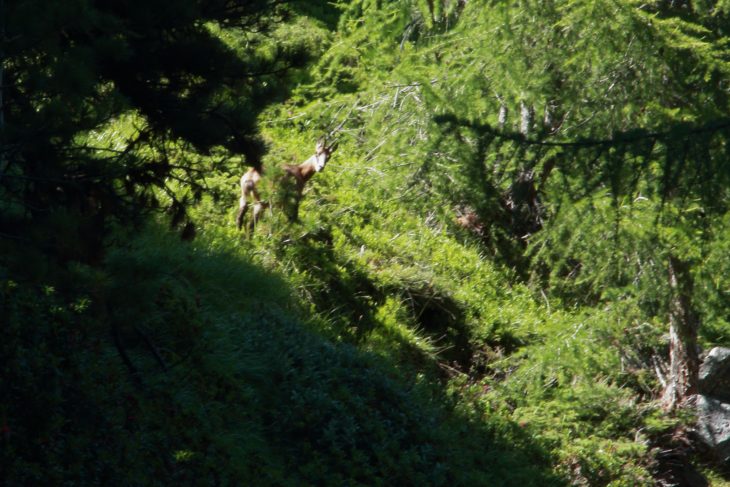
x=212, y=377
x=441, y=318
x=335, y=281
x=325, y=12
x=678, y=451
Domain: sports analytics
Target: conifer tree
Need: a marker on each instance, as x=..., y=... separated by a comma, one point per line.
x=192, y=72
x=642, y=114
x=634, y=109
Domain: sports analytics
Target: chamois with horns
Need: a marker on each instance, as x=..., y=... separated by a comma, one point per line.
x=292, y=184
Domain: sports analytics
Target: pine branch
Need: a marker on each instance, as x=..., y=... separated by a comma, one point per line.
x=623, y=138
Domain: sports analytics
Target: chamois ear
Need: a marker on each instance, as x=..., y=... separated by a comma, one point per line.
x=333, y=147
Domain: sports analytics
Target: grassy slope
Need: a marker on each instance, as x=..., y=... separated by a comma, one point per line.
x=371, y=272
x=234, y=378
x=367, y=344
x=371, y=343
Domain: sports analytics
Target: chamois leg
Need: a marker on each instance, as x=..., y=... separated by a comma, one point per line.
x=242, y=207
x=294, y=217
x=258, y=208
x=291, y=210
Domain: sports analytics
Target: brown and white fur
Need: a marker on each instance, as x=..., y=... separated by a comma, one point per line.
x=300, y=174
x=248, y=189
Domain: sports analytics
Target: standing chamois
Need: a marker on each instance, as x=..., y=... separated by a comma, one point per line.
x=292, y=184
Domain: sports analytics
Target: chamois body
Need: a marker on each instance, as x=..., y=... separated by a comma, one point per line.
x=248, y=190
x=303, y=172
x=294, y=180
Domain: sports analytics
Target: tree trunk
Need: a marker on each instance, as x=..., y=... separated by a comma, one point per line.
x=527, y=118
x=684, y=360
x=502, y=119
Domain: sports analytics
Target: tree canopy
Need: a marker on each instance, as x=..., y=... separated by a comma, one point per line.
x=193, y=74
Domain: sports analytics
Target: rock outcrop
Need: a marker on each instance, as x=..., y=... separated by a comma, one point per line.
x=713, y=402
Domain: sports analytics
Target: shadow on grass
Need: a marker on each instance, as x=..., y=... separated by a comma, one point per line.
x=234, y=388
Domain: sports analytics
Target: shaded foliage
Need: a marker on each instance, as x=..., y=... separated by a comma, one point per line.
x=82, y=65
x=247, y=391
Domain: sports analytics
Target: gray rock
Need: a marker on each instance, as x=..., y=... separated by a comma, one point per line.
x=715, y=374
x=713, y=425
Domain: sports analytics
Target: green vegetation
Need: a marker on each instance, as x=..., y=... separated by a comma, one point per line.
x=479, y=289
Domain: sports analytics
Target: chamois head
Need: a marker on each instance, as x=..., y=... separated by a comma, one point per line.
x=322, y=153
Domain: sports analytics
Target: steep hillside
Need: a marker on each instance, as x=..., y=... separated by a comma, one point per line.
x=480, y=285
x=215, y=372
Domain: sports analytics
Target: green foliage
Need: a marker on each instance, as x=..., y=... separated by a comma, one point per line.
x=617, y=192
x=468, y=297
x=712, y=272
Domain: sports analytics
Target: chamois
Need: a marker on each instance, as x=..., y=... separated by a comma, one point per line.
x=248, y=188
x=296, y=174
